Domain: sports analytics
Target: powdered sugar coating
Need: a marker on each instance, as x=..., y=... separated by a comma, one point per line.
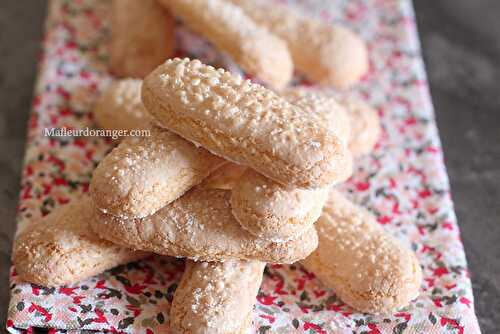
x=141, y=175
x=369, y=269
x=200, y=226
x=325, y=107
x=244, y=123
x=62, y=249
x=354, y=120
x=273, y=212
x=216, y=297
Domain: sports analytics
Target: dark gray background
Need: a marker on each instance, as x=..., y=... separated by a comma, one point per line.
x=461, y=45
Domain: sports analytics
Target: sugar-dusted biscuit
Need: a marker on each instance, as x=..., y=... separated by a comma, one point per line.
x=143, y=174
x=325, y=53
x=62, y=249
x=216, y=297
x=225, y=25
x=120, y=107
x=346, y=115
x=325, y=107
x=142, y=37
x=225, y=177
x=244, y=123
x=365, y=124
x=368, y=268
x=200, y=226
x=273, y=212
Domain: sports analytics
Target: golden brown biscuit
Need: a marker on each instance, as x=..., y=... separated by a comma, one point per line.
x=273, y=212
x=258, y=52
x=216, y=297
x=368, y=269
x=225, y=177
x=120, y=107
x=62, y=249
x=244, y=123
x=328, y=54
x=142, y=37
x=200, y=226
x=142, y=175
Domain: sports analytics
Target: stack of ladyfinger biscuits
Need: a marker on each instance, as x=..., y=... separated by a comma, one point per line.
x=233, y=175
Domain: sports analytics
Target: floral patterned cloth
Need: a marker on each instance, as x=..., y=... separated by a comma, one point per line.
x=403, y=182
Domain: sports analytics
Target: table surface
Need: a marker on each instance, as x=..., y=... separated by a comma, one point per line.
x=461, y=47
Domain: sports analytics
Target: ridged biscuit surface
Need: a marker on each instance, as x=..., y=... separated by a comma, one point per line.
x=244, y=123
x=216, y=297
x=62, y=249
x=368, y=269
x=200, y=226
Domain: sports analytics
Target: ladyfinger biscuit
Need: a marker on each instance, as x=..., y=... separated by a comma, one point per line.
x=273, y=212
x=325, y=107
x=365, y=124
x=225, y=177
x=347, y=116
x=120, y=107
x=143, y=174
x=256, y=50
x=216, y=297
x=200, y=226
x=142, y=37
x=62, y=249
x=328, y=54
x=244, y=123
x=368, y=269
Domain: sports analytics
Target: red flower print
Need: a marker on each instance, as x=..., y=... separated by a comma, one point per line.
x=384, y=220
x=362, y=186
x=373, y=329
x=453, y=323
x=34, y=307
x=266, y=300
x=465, y=301
x=424, y=193
x=269, y=318
x=440, y=271
x=316, y=328
x=406, y=316
x=100, y=317
x=135, y=289
x=100, y=284
x=437, y=302
x=67, y=291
